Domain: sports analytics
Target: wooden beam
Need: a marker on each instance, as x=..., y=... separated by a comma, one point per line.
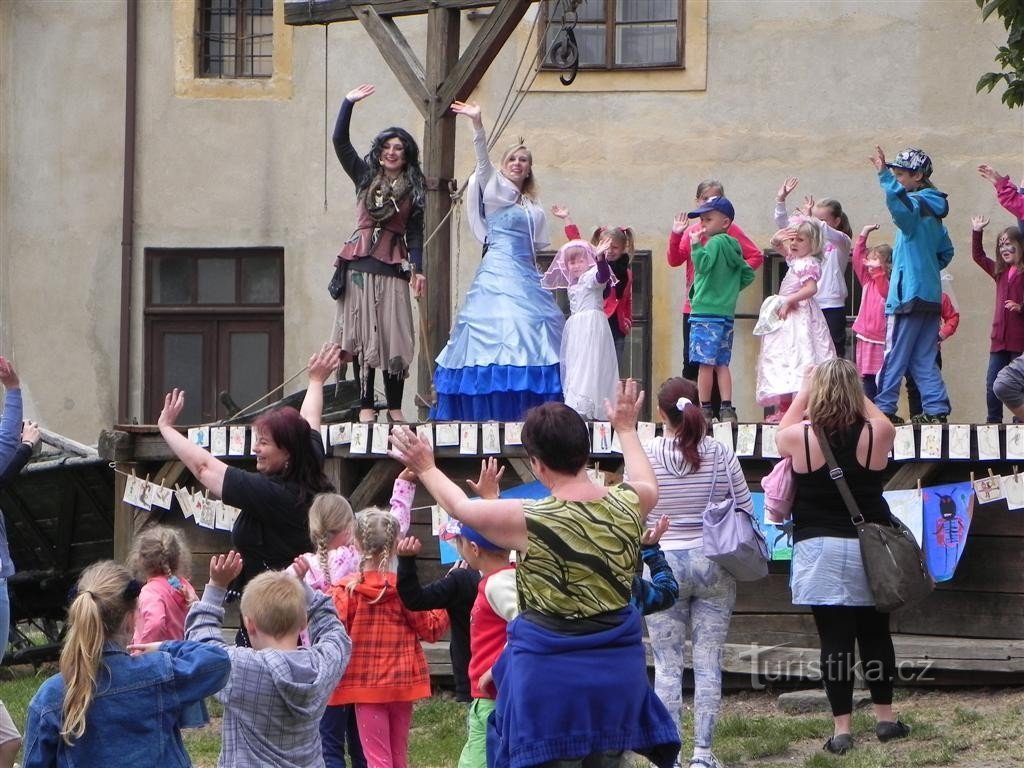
x=398, y=54
x=375, y=484
x=302, y=13
x=443, y=34
x=493, y=34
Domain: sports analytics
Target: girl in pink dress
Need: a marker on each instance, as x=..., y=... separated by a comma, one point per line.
x=872, y=267
x=803, y=339
x=161, y=557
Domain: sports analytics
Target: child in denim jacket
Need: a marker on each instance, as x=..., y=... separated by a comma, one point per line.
x=106, y=707
x=277, y=692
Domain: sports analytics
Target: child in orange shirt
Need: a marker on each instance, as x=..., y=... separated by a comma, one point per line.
x=388, y=669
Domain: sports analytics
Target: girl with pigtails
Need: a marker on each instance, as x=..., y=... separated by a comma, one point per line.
x=388, y=670
x=107, y=707
x=331, y=528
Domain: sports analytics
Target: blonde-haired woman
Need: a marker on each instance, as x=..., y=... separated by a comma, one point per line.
x=107, y=707
x=502, y=356
x=827, y=571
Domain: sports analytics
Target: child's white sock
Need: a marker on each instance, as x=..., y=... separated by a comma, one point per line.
x=701, y=752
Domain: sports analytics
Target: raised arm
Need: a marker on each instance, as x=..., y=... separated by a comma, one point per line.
x=205, y=467
x=10, y=422
x=978, y=224
x=1009, y=196
x=678, y=244
x=623, y=417
x=321, y=365
x=353, y=164
x=484, y=167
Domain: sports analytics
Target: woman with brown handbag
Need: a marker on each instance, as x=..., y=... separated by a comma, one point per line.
x=827, y=572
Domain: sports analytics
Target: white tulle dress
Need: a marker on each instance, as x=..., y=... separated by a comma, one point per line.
x=590, y=369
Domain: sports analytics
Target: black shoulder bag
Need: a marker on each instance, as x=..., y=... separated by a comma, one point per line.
x=894, y=564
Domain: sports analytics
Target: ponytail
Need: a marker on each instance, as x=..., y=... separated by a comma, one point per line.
x=679, y=401
x=836, y=209
x=106, y=597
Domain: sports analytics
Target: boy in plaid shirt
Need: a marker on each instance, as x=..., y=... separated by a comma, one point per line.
x=277, y=692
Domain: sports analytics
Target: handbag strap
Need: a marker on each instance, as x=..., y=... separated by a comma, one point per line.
x=836, y=473
x=714, y=474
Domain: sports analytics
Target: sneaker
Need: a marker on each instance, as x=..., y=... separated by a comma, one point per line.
x=929, y=418
x=728, y=413
x=887, y=731
x=839, y=744
x=705, y=761
x=897, y=420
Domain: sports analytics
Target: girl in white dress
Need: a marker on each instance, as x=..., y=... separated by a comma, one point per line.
x=589, y=367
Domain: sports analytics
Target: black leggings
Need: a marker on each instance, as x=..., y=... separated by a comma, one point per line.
x=835, y=318
x=394, y=388
x=838, y=627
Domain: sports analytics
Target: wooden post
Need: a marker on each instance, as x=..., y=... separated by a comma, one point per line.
x=439, y=167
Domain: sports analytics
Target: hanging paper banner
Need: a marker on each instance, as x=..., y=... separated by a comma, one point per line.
x=947, y=513
x=778, y=535
x=906, y=507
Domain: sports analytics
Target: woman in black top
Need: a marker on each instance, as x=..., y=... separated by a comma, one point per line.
x=382, y=257
x=273, y=526
x=827, y=571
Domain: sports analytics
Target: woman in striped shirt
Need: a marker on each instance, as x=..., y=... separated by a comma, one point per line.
x=692, y=470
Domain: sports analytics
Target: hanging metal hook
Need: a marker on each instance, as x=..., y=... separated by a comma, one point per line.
x=565, y=51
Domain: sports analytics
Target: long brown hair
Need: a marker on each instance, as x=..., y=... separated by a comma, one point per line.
x=836, y=400
x=688, y=423
x=106, y=597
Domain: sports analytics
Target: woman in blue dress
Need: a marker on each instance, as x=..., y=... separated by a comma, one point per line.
x=502, y=357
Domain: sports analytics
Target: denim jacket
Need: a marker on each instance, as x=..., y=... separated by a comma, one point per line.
x=133, y=717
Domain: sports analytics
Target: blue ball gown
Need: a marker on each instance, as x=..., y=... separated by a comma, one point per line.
x=502, y=357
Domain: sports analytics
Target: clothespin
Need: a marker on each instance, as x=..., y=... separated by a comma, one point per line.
x=972, y=478
x=991, y=473
x=918, y=486
x=1016, y=479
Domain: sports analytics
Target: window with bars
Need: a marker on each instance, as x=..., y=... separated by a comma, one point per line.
x=621, y=34
x=235, y=38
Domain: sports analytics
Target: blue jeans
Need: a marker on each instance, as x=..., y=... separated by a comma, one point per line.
x=993, y=405
x=911, y=344
x=5, y=618
x=338, y=726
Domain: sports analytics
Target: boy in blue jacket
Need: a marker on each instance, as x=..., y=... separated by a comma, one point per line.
x=921, y=250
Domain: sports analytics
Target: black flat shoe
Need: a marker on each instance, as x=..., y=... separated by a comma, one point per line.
x=887, y=731
x=839, y=744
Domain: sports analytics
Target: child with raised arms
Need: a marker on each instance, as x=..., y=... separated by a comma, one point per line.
x=803, y=338
x=871, y=266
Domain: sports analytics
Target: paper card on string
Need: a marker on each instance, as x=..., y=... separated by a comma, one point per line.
x=219, y=441
x=490, y=438
x=959, y=441
x=931, y=441
x=988, y=489
x=513, y=433
x=616, y=442
x=1013, y=490
x=159, y=496
x=1015, y=441
x=360, y=438
x=722, y=432
x=236, y=440
x=226, y=515
x=746, y=439
x=446, y=435
x=906, y=507
x=135, y=492
x=204, y=509
x=468, y=439
x=184, y=497
x=340, y=434
x=948, y=510
x=427, y=431
x=199, y=436
x=645, y=430
x=438, y=517
x=602, y=438
x=379, y=443
x=768, y=448
x=903, y=447
x=988, y=442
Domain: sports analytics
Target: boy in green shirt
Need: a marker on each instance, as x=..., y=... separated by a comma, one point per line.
x=720, y=273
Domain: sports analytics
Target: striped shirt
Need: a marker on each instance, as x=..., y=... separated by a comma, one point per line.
x=684, y=493
x=581, y=555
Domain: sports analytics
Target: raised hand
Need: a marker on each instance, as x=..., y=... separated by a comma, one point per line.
x=360, y=92
x=697, y=234
x=868, y=229
x=978, y=223
x=787, y=186
x=300, y=567
x=808, y=205
x=8, y=376
x=680, y=223
x=782, y=236
x=174, y=404
x=225, y=568
x=878, y=158
x=30, y=433
x=488, y=485
x=988, y=172
x=653, y=535
x=624, y=413
x=412, y=450
x=410, y=546
x=324, y=362
x=408, y=475
x=469, y=109
x=602, y=247
x=560, y=211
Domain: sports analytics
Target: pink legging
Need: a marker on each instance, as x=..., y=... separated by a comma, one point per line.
x=384, y=733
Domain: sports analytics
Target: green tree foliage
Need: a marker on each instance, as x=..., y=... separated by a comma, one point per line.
x=1009, y=57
